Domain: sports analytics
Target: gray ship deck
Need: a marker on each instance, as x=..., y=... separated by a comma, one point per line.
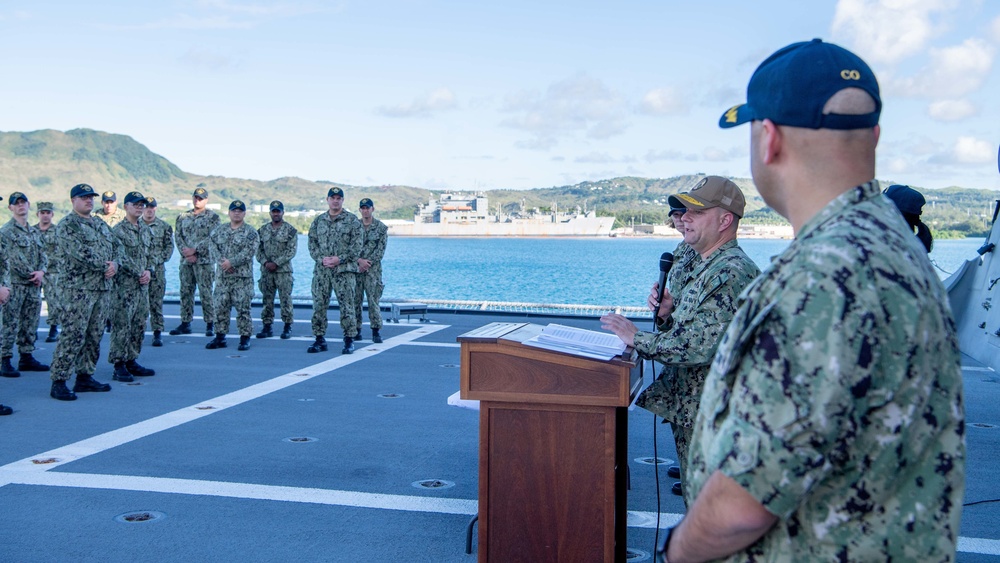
x=208, y=448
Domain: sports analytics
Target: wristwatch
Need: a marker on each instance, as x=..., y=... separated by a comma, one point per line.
x=661, y=550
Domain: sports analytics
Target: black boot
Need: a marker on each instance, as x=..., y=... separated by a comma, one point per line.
x=245, y=342
x=218, y=342
x=53, y=333
x=121, y=373
x=86, y=382
x=348, y=345
x=359, y=338
x=27, y=362
x=157, y=341
x=5, y=410
x=137, y=370
x=676, y=489
x=674, y=472
x=266, y=332
x=183, y=328
x=286, y=333
x=318, y=346
x=376, y=337
x=209, y=329
x=61, y=392
x=6, y=369
x=107, y=325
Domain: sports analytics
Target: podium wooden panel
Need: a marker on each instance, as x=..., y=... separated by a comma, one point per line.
x=553, y=448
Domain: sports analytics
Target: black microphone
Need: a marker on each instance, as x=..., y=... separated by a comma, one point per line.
x=666, y=261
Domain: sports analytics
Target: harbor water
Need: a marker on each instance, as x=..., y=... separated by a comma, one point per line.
x=585, y=271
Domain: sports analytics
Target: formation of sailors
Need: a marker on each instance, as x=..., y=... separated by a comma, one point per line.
x=105, y=270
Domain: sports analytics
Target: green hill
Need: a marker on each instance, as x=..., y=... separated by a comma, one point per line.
x=45, y=164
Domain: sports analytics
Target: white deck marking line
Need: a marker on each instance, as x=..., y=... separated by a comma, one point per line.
x=96, y=444
x=435, y=344
x=976, y=368
x=330, y=497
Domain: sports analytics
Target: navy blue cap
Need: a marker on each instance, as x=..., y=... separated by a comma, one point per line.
x=907, y=199
x=135, y=197
x=16, y=196
x=335, y=191
x=366, y=203
x=791, y=87
x=150, y=202
x=200, y=193
x=237, y=204
x=82, y=190
x=109, y=196
x=675, y=205
x=277, y=205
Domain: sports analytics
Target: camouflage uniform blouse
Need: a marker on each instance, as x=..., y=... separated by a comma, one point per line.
x=162, y=244
x=85, y=245
x=236, y=245
x=49, y=247
x=688, y=339
x=191, y=231
x=340, y=236
x=23, y=249
x=836, y=396
x=134, y=242
x=111, y=219
x=375, y=236
x=686, y=259
x=278, y=246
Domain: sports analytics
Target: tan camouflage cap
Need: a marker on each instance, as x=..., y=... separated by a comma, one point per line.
x=713, y=191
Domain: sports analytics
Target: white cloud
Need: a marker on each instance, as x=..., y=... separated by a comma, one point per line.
x=208, y=59
x=888, y=31
x=654, y=156
x=969, y=150
x=578, y=104
x=995, y=29
x=424, y=105
x=595, y=158
x=952, y=110
x=663, y=101
x=952, y=71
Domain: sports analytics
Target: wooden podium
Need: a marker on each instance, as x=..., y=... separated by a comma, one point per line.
x=553, y=447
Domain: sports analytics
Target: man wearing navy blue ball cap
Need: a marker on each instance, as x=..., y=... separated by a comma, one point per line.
x=831, y=422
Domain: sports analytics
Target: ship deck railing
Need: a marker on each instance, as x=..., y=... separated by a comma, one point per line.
x=486, y=306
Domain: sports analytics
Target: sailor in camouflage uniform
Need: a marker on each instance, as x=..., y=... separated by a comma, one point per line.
x=4, y=298
x=279, y=242
x=110, y=212
x=375, y=235
x=130, y=294
x=335, y=244
x=232, y=248
x=46, y=230
x=160, y=251
x=90, y=261
x=197, y=271
x=26, y=266
x=691, y=323
x=831, y=427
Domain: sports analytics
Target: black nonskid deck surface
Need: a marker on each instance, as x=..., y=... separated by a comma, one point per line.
x=275, y=454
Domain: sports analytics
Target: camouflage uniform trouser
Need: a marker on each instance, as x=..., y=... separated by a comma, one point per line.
x=235, y=293
x=51, y=290
x=269, y=284
x=325, y=282
x=202, y=276
x=83, y=315
x=20, y=319
x=369, y=283
x=682, y=441
x=157, y=289
x=129, y=308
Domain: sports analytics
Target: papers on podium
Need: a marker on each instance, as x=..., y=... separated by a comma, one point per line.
x=578, y=342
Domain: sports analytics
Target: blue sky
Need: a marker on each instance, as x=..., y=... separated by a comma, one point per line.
x=466, y=95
